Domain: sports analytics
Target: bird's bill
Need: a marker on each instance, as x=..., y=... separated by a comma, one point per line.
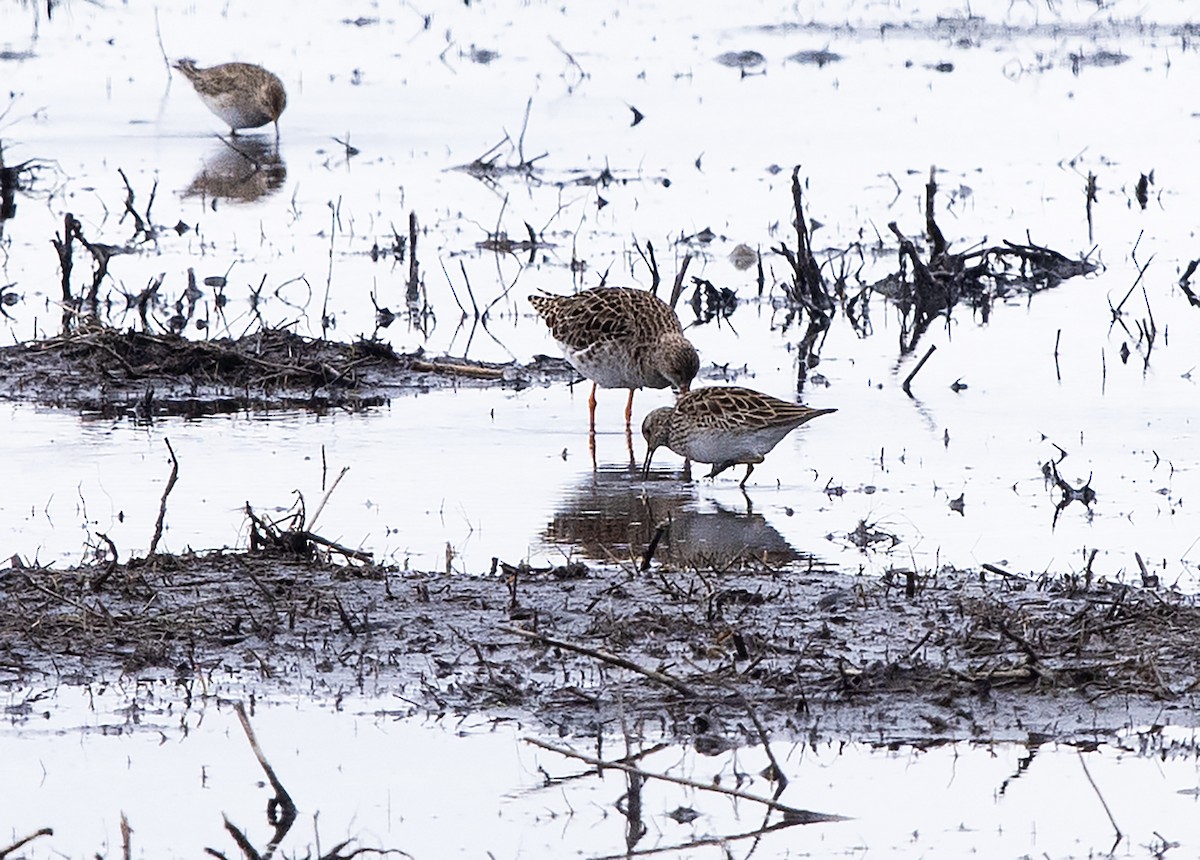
x=646, y=465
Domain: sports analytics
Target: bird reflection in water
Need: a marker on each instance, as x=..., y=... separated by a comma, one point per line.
x=242, y=169
x=612, y=516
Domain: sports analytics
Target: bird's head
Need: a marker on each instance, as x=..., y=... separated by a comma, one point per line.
x=656, y=430
x=680, y=362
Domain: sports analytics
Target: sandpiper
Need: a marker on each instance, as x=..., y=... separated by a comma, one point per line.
x=725, y=426
x=620, y=337
x=241, y=94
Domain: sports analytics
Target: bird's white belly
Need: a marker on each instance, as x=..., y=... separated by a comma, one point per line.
x=610, y=366
x=236, y=112
x=736, y=446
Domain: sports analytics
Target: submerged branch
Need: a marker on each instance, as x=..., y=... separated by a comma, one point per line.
x=791, y=812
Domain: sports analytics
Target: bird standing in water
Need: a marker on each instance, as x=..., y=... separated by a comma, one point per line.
x=724, y=426
x=620, y=337
x=241, y=94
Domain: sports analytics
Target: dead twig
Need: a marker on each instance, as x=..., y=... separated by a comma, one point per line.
x=295, y=539
x=651, y=547
x=162, y=505
x=777, y=775
x=1185, y=280
x=1103, y=802
x=651, y=263
x=281, y=810
x=807, y=289
x=452, y=368
x=1090, y=198
x=63, y=245
x=605, y=657
x=141, y=226
x=313, y=519
x=414, y=272
x=108, y=568
x=126, y=838
x=248, y=849
x=1020, y=642
x=790, y=812
x=677, y=287
x=937, y=242
x=999, y=571
x=45, y=831
x=908, y=379
x=1149, y=580
x=722, y=840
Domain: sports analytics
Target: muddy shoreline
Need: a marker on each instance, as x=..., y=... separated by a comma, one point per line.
x=703, y=655
x=100, y=370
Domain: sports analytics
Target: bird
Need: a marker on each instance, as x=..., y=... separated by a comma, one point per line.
x=724, y=426
x=241, y=94
x=620, y=337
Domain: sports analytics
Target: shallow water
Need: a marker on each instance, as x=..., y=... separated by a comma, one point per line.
x=453, y=479
x=361, y=770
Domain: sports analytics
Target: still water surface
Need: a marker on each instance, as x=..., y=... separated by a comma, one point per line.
x=471, y=787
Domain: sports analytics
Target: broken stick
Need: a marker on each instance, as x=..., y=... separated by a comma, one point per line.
x=789, y=811
x=908, y=379
x=162, y=505
x=605, y=657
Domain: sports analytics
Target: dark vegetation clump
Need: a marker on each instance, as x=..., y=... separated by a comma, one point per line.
x=923, y=287
x=103, y=370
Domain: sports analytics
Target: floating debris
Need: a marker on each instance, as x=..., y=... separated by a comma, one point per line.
x=1100, y=59
x=743, y=60
x=482, y=56
x=819, y=58
x=743, y=257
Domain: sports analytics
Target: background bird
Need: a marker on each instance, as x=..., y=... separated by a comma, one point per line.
x=620, y=337
x=724, y=426
x=241, y=94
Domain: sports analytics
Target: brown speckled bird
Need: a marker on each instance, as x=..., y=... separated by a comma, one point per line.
x=241, y=94
x=620, y=337
x=725, y=426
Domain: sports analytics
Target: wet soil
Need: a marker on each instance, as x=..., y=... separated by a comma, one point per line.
x=103, y=370
x=713, y=654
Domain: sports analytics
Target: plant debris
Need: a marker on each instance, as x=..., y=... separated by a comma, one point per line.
x=984, y=654
x=102, y=370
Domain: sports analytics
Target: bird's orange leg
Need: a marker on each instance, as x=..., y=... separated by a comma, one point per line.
x=592, y=424
x=629, y=409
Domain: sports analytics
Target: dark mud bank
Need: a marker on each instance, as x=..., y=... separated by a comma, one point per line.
x=712, y=655
x=110, y=372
